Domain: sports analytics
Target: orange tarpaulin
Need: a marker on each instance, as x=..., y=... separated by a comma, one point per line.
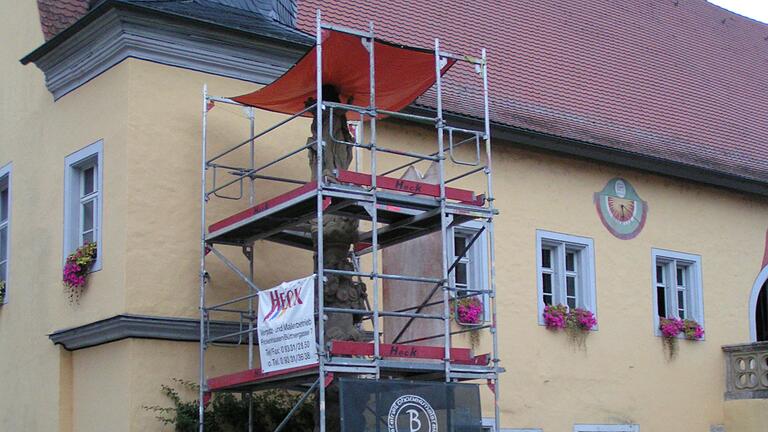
x=401, y=74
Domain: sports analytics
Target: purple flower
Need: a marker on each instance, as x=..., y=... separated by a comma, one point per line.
x=582, y=319
x=555, y=316
x=671, y=327
x=560, y=317
x=469, y=311
x=692, y=330
x=77, y=265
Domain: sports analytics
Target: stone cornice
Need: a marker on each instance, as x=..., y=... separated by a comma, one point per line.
x=746, y=347
x=113, y=35
x=121, y=327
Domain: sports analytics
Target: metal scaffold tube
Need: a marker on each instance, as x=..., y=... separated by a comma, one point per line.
x=248, y=250
x=203, y=199
x=320, y=273
x=374, y=204
x=443, y=215
x=491, y=241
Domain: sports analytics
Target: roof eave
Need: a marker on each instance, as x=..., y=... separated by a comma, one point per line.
x=596, y=152
x=108, y=5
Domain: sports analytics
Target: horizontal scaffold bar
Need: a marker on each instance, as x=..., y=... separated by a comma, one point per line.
x=382, y=313
x=224, y=100
x=255, y=376
x=464, y=330
x=230, y=335
x=260, y=134
x=421, y=188
x=383, y=276
x=458, y=355
x=347, y=30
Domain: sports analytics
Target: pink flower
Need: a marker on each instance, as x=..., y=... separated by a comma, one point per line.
x=555, y=316
x=671, y=327
x=582, y=319
x=469, y=311
x=560, y=317
x=76, y=267
x=692, y=330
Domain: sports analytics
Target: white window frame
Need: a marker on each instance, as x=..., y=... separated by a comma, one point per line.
x=586, y=294
x=694, y=286
x=476, y=260
x=489, y=423
x=606, y=428
x=6, y=182
x=92, y=155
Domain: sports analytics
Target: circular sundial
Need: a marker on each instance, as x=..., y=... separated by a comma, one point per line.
x=621, y=209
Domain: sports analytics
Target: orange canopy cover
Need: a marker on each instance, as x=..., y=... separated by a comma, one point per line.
x=402, y=75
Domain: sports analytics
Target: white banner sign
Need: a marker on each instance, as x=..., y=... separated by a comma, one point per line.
x=286, y=325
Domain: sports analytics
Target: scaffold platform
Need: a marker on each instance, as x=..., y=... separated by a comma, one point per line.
x=399, y=361
x=408, y=208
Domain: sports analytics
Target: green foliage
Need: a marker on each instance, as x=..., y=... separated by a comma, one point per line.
x=227, y=412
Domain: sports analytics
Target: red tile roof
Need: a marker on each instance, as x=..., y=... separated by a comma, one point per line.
x=682, y=80
x=56, y=15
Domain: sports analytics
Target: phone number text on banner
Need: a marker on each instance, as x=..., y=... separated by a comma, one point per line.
x=286, y=325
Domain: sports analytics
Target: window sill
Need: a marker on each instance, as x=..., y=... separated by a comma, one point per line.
x=658, y=334
x=95, y=268
x=593, y=329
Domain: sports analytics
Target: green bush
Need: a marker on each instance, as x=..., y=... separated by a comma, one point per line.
x=227, y=412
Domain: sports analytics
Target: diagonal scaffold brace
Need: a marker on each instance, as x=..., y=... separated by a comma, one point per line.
x=425, y=302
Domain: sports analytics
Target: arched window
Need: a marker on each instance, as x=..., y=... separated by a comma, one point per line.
x=758, y=308
x=761, y=314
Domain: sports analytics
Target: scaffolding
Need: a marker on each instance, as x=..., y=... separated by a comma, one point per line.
x=392, y=217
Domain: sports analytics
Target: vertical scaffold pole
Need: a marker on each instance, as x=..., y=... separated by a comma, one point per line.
x=203, y=199
x=320, y=268
x=250, y=251
x=252, y=166
x=374, y=204
x=491, y=241
x=443, y=217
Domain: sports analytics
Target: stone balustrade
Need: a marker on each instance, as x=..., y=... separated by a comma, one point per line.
x=746, y=371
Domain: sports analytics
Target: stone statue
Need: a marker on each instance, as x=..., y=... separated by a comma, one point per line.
x=339, y=232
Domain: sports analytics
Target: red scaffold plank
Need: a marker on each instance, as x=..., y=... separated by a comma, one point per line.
x=251, y=376
x=263, y=206
x=410, y=186
x=458, y=355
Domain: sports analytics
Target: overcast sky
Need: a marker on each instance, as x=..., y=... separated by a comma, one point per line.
x=755, y=9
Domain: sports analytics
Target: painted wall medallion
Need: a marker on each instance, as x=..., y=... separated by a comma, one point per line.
x=620, y=209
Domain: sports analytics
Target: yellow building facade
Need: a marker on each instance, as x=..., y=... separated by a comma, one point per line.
x=146, y=117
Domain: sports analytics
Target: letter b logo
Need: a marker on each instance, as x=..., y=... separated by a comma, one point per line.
x=415, y=423
x=411, y=413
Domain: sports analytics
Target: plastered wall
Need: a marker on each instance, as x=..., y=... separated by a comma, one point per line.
x=149, y=118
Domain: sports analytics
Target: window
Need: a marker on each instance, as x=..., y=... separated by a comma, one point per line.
x=5, y=224
x=677, y=286
x=82, y=200
x=566, y=268
x=489, y=425
x=471, y=271
x=606, y=428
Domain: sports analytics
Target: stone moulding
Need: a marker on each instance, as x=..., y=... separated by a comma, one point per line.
x=746, y=368
x=118, y=34
x=121, y=327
